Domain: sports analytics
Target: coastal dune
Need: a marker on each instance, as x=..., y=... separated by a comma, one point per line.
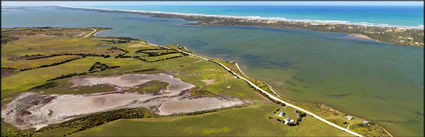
x=399, y=35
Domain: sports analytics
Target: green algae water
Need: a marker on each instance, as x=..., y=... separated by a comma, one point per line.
x=377, y=81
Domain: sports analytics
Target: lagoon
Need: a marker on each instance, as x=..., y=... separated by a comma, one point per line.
x=377, y=81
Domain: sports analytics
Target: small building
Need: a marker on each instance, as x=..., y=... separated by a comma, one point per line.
x=286, y=120
x=281, y=114
x=365, y=122
x=349, y=117
x=291, y=121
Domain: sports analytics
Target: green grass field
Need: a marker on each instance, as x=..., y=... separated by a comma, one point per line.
x=209, y=78
x=247, y=121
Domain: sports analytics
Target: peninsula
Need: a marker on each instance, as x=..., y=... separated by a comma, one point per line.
x=394, y=35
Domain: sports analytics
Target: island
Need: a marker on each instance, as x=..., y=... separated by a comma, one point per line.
x=68, y=82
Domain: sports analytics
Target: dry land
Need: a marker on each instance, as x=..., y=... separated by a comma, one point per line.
x=64, y=81
x=394, y=35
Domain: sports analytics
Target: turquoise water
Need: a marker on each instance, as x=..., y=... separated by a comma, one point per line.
x=411, y=16
x=377, y=81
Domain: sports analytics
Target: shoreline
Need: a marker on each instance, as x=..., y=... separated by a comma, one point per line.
x=323, y=106
x=388, y=34
x=266, y=95
x=326, y=106
x=361, y=36
x=313, y=21
x=278, y=99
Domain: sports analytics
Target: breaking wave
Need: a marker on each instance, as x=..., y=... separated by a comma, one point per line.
x=254, y=17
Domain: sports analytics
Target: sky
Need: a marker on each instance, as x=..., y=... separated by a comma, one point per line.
x=75, y=3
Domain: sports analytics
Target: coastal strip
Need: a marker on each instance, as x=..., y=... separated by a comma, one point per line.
x=274, y=98
x=406, y=36
x=361, y=36
x=94, y=30
x=272, y=90
x=240, y=70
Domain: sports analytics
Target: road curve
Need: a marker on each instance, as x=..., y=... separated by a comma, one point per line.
x=277, y=99
x=94, y=30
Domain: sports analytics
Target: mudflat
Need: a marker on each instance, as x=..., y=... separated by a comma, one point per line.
x=34, y=110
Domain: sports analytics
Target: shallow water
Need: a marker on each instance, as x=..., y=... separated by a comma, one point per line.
x=396, y=15
x=377, y=81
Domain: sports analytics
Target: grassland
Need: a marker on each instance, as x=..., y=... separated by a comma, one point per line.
x=32, y=50
x=321, y=110
x=340, y=119
x=25, y=64
x=34, y=47
x=78, y=124
x=247, y=121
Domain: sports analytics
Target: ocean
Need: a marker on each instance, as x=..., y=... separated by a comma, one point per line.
x=381, y=82
x=400, y=16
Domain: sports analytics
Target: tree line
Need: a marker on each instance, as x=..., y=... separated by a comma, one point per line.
x=96, y=67
x=150, y=61
x=65, y=54
x=49, y=65
x=301, y=115
x=143, y=50
x=120, y=49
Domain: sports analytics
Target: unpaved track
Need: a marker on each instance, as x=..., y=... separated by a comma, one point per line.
x=94, y=30
x=276, y=98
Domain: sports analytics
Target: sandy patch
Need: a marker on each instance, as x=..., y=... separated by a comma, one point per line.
x=137, y=45
x=208, y=81
x=198, y=104
x=127, y=81
x=81, y=33
x=198, y=61
x=361, y=36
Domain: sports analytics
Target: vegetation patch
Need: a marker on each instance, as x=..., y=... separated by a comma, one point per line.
x=23, y=65
x=301, y=115
x=370, y=129
x=6, y=38
x=40, y=44
x=242, y=121
x=49, y=65
x=47, y=85
x=149, y=87
x=78, y=124
x=65, y=87
x=202, y=92
x=100, y=67
x=96, y=67
x=7, y=71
